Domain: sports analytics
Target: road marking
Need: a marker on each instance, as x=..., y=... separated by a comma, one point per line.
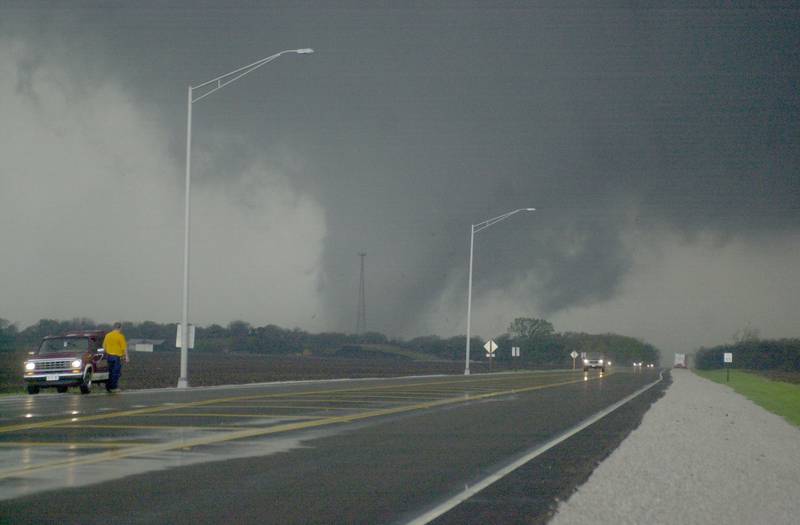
x=206, y=414
x=380, y=396
x=505, y=471
x=72, y=444
x=155, y=427
x=460, y=380
x=267, y=405
x=334, y=400
x=256, y=432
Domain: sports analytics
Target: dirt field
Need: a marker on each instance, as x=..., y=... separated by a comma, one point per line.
x=161, y=369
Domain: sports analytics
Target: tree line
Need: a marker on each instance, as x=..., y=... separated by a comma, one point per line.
x=539, y=343
x=754, y=354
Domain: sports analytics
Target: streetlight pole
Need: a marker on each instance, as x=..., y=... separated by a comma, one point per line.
x=475, y=228
x=210, y=86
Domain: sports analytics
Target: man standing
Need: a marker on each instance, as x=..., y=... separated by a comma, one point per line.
x=116, y=350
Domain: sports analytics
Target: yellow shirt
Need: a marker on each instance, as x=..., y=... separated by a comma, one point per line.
x=115, y=344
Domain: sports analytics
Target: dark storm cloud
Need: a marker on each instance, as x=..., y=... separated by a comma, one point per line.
x=413, y=123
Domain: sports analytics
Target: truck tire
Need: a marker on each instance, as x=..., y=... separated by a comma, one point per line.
x=33, y=389
x=86, y=384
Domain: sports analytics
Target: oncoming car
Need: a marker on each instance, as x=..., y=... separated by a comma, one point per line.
x=594, y=361
x=72, y=359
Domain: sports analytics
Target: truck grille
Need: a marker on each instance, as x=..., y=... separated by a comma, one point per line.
x=53, y=365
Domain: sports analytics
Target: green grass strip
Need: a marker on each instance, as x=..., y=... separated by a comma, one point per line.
x=777, y=397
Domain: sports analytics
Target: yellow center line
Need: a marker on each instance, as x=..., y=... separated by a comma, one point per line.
x=380, y=396
x=264, y=416
x=268, y=405
x=155, y=427
x=258, y=432
x=319, y=400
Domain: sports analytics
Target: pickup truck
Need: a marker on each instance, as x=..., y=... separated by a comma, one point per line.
x=594, y=361
x=72, y=359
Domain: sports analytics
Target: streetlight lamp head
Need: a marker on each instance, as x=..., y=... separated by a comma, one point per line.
x=304, y=51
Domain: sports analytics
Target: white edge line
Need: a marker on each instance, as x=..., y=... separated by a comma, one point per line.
x=485, y=482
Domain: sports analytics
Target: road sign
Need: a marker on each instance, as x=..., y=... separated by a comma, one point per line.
x=179, y=340
x=727, y=358
x=490, y=347
x=574, y=354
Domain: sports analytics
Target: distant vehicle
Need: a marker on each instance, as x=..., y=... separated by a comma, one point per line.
x=594, y=361
x=680, y=361
x=637, y=364
x=72, y=359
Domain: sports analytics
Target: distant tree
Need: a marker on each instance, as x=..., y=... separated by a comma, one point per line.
x=8, y=335
x=529, y=328
x=239, y=333
x=239, y=328
x=216, y=331
x=153, y=330
x=374, y=338
x=746, y=335
x=34, y=333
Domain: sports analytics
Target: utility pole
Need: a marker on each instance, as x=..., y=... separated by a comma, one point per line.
x=361, y=319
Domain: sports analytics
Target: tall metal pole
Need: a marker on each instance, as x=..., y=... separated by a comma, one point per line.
x=183, y=380
x=473, y=230
x=211, y=86
x=469, y=296
x=361, y=321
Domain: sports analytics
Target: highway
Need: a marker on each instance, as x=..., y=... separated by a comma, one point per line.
x=348, y=451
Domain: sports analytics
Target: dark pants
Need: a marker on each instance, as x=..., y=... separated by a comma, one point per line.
x=114, y=371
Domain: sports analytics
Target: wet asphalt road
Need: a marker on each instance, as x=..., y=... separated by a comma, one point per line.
x=366, y=451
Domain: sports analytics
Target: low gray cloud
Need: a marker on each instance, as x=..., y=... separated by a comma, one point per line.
x=410, y=124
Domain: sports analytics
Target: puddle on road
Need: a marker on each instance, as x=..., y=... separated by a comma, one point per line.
x=81, y=475
x=75, y=476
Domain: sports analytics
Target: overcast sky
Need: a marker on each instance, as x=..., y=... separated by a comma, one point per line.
x=661, y=148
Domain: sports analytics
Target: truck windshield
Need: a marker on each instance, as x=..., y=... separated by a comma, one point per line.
x=64, y=344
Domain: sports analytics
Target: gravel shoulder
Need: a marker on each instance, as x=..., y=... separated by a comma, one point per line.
x=703, y=454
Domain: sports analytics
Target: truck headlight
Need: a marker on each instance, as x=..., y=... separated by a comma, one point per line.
x=585, y=361
x=601, y=361
x=30, y=366
x=76, y=363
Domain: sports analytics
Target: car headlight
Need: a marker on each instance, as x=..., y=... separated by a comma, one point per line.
x=601, y=361
x=585, y=361
x=30, y=366
x=76, y=363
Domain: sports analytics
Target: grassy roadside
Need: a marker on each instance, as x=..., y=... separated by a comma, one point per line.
x=777, y=397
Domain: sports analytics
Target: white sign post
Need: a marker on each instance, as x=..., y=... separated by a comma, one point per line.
x=515, y=353
x=573, y=355
x=490, y=347
x=727, y=358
